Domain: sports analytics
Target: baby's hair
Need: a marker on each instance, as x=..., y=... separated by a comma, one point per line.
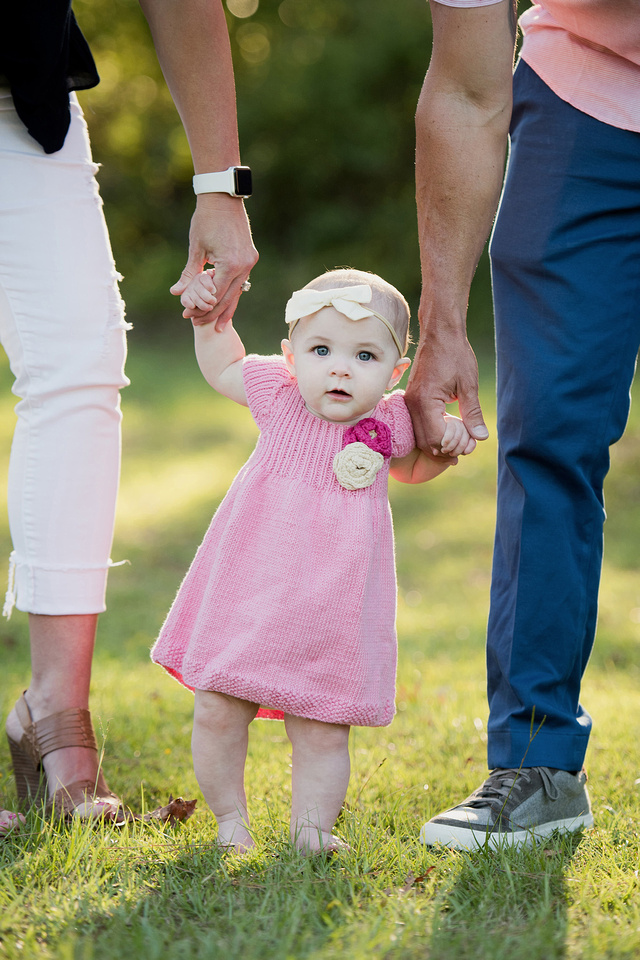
x=385, y=300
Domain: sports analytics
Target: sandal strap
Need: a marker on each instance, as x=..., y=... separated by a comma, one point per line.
x=67, y=728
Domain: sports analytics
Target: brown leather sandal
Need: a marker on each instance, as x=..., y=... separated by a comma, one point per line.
x=68, y=728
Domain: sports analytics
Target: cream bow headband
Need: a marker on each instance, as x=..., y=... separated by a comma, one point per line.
x=346, y=300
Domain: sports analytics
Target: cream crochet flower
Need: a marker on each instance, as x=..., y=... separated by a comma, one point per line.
x=356, y=466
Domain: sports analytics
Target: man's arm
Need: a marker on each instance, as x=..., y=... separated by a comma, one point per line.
x=192, y=43
x=462, y=125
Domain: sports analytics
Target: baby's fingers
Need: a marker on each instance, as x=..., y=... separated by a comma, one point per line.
x=469, y=448
x=452, y=433
x=193, y=302
x=456, y=441
x=454, y=449
x=201, y=292
x=460, y=446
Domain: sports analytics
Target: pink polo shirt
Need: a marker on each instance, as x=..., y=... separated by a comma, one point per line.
x=587, y=52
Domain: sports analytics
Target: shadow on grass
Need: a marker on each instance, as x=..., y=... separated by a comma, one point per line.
x=173, y=897
x=271, y=906
x=506, y=903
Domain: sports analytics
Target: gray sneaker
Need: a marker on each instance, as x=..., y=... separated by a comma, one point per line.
x=513, y=808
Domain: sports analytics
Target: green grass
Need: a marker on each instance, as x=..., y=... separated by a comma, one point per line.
x=161, y=892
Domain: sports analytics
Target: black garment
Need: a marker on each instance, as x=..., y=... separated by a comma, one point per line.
x=43, y=55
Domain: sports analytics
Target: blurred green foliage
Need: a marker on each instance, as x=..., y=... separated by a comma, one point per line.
x=327, y=91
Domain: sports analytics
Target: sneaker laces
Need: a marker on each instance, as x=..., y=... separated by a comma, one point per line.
x=500, y=786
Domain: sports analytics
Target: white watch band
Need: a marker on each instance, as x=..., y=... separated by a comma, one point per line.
x=222, y=182
x=235, y=181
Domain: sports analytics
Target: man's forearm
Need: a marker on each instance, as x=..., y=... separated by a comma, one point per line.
x=462, y=124
x=192, y=44
x=459, y=168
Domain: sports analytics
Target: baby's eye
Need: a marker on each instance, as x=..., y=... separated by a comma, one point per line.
x=365, y=355
x=321, y=351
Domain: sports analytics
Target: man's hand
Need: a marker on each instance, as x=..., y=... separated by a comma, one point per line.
x=444, y=370
x=219, y=235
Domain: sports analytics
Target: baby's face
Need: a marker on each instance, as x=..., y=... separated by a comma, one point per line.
x=343, y=367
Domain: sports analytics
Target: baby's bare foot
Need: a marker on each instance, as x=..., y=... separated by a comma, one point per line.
x=234, y=835
x=312, y=840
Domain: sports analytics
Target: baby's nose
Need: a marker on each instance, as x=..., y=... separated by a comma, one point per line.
x=341, y=367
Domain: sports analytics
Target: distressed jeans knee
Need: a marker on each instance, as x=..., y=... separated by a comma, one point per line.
x=63, y=328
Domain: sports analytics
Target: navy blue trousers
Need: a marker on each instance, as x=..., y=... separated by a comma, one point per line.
x=566, y=279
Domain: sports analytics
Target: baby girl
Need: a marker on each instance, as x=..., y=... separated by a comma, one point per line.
x=288, y=609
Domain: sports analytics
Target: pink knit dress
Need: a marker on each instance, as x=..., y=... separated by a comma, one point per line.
x=290, y=601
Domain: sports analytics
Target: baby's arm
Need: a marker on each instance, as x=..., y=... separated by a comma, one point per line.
x=416, y=467
x=219, y=352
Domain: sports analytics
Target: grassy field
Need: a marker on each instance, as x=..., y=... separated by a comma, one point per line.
x=162, y=892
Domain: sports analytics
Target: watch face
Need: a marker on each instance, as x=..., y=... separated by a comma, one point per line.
x=242, y=177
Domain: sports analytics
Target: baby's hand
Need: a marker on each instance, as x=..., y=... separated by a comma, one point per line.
x=199, y=297
x=456, y=441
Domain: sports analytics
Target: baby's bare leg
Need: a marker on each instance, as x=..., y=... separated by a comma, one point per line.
x=319, y=781
x=219, y=747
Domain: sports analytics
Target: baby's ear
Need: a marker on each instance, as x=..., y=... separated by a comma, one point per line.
x=398, y=372
x=287, y=353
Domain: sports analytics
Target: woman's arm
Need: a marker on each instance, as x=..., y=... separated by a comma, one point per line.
x=192, y=44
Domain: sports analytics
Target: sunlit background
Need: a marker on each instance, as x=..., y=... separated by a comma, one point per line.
x=327, y=92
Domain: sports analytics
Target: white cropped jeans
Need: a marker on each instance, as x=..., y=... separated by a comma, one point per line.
x=62, y=326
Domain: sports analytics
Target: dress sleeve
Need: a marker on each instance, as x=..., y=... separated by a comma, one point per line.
x=397, y=417
x=264, y=379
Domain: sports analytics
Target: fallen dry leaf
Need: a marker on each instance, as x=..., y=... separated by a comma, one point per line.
x=423, y=876
x=174, y=812
x=413, y=880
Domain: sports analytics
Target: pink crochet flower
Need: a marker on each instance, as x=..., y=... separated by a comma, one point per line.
x=375, y=434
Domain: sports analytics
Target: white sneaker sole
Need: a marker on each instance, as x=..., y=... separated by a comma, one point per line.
x=467, y=838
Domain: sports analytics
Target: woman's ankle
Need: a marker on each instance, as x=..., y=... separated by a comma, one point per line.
x=46, y=699
x=62, y=766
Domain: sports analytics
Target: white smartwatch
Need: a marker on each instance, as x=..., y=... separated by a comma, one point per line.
x=235, y=181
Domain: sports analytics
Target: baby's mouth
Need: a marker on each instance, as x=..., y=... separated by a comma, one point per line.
x=339, y=394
